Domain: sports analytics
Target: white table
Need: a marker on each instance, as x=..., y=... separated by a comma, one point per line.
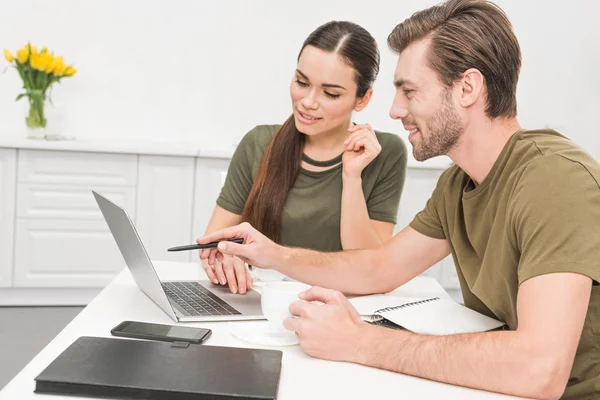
x=302, y=377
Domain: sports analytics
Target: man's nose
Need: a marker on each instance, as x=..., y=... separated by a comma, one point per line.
x=398, y=111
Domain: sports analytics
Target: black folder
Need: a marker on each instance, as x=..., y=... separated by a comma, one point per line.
x=133, y=369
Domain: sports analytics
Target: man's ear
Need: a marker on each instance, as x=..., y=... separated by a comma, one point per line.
x=472, y=87
x=362, y=102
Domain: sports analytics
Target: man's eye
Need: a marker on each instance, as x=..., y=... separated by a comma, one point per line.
x=407, y=92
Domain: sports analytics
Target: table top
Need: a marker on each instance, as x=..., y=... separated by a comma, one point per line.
x=301, y=377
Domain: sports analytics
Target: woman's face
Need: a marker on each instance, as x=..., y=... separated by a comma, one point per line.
x=323, y=92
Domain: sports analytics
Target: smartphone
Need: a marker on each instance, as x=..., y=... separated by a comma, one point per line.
x=165, y=333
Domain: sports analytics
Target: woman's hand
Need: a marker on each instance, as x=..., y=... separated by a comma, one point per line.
x=362, y=147
x=229, y=270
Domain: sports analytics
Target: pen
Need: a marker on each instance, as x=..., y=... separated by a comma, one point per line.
x=202, y=246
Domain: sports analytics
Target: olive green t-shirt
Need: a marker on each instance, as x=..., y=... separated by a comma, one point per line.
x=312, y=212
x=537, y=212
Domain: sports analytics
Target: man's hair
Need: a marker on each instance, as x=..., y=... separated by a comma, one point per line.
x=468, y=34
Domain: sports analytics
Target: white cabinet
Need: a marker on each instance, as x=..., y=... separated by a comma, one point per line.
x=55, y=247
x=65, y=253
x=210, y=176
x=8, y=168
x=164, y=205
x=61, y=238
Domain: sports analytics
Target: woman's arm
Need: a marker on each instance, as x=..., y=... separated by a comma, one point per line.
x=357, y=230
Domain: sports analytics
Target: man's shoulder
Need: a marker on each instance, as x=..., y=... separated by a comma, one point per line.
x=555, y=156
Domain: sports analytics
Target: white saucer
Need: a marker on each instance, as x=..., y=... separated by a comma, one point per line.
x=263, y=333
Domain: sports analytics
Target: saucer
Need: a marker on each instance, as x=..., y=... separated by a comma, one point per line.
x=264, y=334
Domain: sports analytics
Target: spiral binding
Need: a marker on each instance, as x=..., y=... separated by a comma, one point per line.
x=413, y=303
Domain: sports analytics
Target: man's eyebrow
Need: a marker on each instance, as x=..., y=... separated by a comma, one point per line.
x=329, y=85
x=401, y=82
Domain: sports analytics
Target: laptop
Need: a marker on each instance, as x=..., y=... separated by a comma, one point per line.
x=183, y=301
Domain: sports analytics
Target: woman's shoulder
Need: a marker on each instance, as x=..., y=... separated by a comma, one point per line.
x=259, y=137
x=391, y=144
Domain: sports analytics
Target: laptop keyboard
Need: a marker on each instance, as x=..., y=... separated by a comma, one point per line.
x=196, y=300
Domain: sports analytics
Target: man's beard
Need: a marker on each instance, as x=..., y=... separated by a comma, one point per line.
x=444, y=130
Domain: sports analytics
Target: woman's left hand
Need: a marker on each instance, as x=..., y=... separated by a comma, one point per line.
x=362, y=147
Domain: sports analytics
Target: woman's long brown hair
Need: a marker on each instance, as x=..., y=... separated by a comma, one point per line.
x=281, y=162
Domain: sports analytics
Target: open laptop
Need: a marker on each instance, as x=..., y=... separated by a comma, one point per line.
x=184, y=301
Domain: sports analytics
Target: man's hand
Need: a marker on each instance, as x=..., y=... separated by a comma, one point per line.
x=332, y=331
x=257, y=250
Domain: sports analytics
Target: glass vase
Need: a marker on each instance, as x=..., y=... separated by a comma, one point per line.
x=35, y=118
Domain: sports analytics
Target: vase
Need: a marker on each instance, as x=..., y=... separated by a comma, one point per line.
x=35, y=118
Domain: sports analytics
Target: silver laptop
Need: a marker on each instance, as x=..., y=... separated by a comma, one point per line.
x=184, y=301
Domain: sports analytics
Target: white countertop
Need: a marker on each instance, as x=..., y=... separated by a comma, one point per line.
x=158, y=147
x=122, y=300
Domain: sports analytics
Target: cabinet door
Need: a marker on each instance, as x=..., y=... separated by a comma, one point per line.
x=164, y=205
x=210, y=177
x=8, y=163
x=65, y=253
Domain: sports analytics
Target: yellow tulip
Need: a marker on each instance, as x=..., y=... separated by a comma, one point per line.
x=22, y=56
x=44, y=50
x=51, y=63
x=36, y=62
x=58, y=66
x=9, y=57
x=70, y=71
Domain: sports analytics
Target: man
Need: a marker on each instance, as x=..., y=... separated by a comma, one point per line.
x=519, y=211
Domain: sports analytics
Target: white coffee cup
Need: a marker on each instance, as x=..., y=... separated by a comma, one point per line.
x=267, y=275
x=276, y=298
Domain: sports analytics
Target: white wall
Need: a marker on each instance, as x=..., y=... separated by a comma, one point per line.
x=211, y=70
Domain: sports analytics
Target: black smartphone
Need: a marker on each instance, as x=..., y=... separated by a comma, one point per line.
x=165, y=333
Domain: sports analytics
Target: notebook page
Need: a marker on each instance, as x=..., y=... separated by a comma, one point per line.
x=440, y=317
x=368, y=305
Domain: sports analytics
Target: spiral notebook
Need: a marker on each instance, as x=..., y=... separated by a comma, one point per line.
x=433, y=315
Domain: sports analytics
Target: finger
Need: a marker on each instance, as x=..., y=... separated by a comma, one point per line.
x=291, y=324
x=229, y=272
x=323, y=295
x=210, y=272
x=249, y=280
x=360, y=143
x=237, y=231
x=352, y=140
x=240, y=272
x=358, y=127
x=218, y=266
x=242, y=251
x=301, y=308
x=204, y=253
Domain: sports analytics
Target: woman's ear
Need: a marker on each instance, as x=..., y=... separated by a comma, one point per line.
x=362, y=102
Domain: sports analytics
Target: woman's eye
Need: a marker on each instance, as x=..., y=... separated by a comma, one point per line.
x=333, y=96
x=302, y=84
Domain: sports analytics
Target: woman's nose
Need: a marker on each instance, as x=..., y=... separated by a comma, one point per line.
x=310, y=102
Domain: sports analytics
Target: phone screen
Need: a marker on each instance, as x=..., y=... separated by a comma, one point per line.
x=169, y=331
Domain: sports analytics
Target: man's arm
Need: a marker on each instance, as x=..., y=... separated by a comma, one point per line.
x=356, y=271
x=533, y=361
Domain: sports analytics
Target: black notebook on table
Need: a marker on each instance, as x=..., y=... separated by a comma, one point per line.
x=133, y=369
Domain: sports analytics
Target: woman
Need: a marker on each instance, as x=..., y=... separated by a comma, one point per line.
x=318, y=181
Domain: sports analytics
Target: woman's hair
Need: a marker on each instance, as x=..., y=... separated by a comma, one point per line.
x=280, y=164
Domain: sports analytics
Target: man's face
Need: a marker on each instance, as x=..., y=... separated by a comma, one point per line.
x=425, y=106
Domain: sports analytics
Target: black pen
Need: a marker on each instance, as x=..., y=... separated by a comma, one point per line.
x=203, y=246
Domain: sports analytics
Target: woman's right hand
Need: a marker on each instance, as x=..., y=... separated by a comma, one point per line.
x=228, y=270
